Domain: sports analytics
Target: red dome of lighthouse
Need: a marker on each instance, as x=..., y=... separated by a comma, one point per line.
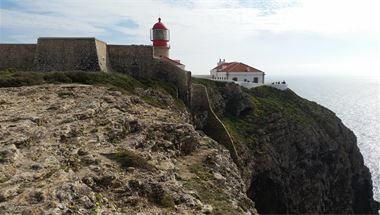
x=159, y=25
x=159, y=34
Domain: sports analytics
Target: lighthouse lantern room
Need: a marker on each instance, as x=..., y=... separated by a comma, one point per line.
x=160, y=37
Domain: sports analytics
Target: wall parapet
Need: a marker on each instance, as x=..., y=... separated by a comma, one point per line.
x=17, y=56
x=63, y=54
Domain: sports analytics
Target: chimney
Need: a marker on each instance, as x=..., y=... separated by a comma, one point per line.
x=220, y=62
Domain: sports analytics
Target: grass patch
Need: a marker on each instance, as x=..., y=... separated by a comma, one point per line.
x=269, y=107
x=201, y=171
x=5, y=178
x=156, y=102
x=166, y=87
x=211, y=85
x=128, y=158
x=165, y=201
x=3, y=155
x=18, y=78
x=115, y=81
x=208, y=192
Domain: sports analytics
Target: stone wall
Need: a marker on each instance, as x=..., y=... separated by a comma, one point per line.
x=134, y=60
x=90, y=54
x=103, y=59
x=137, y=61
x=17, y=56
x=181, y=78
x=214, y=127
x=62, y=54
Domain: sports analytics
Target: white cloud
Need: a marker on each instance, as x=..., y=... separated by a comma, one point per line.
x=204, y=30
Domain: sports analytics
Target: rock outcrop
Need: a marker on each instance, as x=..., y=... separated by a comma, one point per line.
x=131, y=148
x=297, y=156
x=79, y=149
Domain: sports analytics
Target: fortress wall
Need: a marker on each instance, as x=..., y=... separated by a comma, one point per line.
x=103, y=59
x=62, y=54
x=134, y=60
x=17, y=56
x=173, y=74
x=137, y=61
x=89, y=54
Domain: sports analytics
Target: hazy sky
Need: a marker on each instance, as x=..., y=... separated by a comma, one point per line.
x=337, y=37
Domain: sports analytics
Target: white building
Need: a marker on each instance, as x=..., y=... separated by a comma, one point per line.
x=239, y=73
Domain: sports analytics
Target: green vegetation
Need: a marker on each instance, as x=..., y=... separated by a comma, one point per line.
x=2, y=156
x=162, y=86
x=114, y=136
x=201, y=171
x=128, y=158
x=269, y=106
x=119, y=81
x=165, y=201
x=168, y=87
x=5, y=178
x=211, y=85
x=115, y=81
x=209, y=192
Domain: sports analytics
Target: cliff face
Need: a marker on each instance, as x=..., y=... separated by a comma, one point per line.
x=297, y=156
x=80, y=149
x=130, y=147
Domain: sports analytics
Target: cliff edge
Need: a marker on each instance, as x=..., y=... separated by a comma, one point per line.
x=125, y=147
x=296, y=156
x=93, y=143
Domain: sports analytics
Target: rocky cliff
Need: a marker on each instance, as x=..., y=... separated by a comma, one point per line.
x=121, y=146
x=81, y=149
x=296, y=156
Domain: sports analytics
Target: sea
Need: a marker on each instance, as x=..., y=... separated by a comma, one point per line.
x=356, y=101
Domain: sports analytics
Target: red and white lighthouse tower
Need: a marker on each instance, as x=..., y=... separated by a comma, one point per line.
x=160, y=36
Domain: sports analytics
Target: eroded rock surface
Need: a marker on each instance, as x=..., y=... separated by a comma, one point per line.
x=297, y=156
x=77, y=149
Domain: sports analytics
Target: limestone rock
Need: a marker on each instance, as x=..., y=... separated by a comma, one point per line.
x=56, y=143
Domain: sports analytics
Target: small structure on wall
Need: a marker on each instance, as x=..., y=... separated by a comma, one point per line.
x=237, y=72
x=160, y=36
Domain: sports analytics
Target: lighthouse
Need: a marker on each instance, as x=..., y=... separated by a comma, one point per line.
x=160, y=37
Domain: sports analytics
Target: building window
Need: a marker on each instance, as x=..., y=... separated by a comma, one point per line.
x=256, y=80
x=234, y=79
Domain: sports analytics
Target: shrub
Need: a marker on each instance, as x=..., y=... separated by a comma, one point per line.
x=18, y=79
x=3, y=155
x=129, y=158
x=166, y=201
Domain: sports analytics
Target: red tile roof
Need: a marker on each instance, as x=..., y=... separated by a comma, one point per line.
x=166, y=59
x=235, y=67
